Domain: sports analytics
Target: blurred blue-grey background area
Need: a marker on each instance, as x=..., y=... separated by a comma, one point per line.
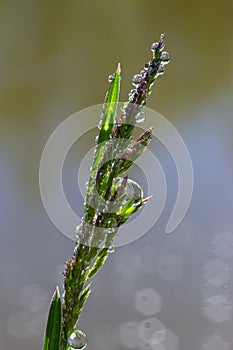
x=162, y=292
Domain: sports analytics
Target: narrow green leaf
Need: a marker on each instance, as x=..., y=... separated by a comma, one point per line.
x=110, y=107
x=53, y=328
x=107, y=125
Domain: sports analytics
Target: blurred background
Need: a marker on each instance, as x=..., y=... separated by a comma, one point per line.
x=55, y=57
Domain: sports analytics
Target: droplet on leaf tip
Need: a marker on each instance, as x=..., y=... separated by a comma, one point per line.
x=154, y=47
x=162, y=36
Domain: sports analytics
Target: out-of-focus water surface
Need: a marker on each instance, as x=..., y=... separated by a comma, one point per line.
x=160, y=292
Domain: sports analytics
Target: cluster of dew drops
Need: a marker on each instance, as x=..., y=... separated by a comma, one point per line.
x=77, y=339
x=138, y=78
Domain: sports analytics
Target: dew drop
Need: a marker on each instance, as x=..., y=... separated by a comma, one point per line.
x=111, y=226
x=137, y=78
x=132, y=94
x=140, y=117
x=96, y=140
x=161, y=70
x=162, y=36
x=154, y=47
x=111, y=249
x=165, y=57
x=100, y=124
x=77, y=340
x=110, y=78
x=142, y=73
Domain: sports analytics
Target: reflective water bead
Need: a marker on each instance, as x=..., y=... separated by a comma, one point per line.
x=161, y=70
x=110, y=78
x=162, y=36
x=96, y=139
x=131, y=94
x=154, y=47
x=142, y=73
x=77, y=340
x=111, y=249
x=137, y=78
x=165, y=57
x=140, y=117
x=100, y=124
x=111, y=224
x=150, y=70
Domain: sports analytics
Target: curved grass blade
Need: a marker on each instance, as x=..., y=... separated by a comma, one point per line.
x=53, y=328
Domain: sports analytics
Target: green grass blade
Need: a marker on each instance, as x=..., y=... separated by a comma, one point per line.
x=53, y=328
x=107, y=125
x=110, y=106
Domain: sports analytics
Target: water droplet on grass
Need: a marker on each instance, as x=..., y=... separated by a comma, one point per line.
x=77, y=340
x=162, y=36
x=142, y=72
x=161, y=70
x=96, y=139
x=140, y=117
x=165, y=57
x=100, y=124
x=137, y=78
x=110, y=78
x=132, y=92
x=154, y=47
x=112, y=249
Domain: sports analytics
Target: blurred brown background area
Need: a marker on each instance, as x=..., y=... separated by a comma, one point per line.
x=62, y=52
x=55, y=57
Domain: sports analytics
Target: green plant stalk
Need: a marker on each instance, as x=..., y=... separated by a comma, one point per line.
x=108, y=204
